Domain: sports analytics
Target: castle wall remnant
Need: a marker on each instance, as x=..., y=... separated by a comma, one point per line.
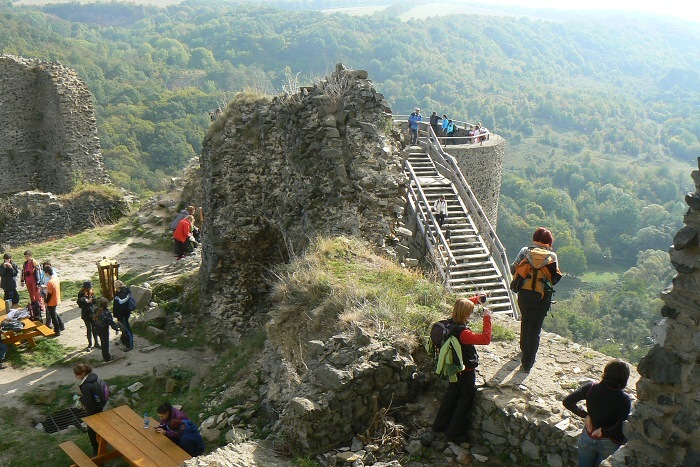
x=482, y=167
x=664, y=426
x=48, y=132
x=279, y=171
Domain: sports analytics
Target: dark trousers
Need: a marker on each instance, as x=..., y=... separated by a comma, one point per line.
x=414, y=136
x=91, y=331
x=453, y=415
x=54, y=319
x=103, y=332
x=440, y=218
x=127, y=337
x=93, y=441
x=180, y=249
x=533, y=309
x=3, y=351
x=11, y=294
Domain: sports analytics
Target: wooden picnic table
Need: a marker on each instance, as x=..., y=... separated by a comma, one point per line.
x=31, y=330
x=122, y=429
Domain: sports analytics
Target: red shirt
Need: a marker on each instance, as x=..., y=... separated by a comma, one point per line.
x=470, y=337
x=182, y=231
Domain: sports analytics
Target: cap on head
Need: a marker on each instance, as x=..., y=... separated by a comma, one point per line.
x=417, y=109
x=87, y=285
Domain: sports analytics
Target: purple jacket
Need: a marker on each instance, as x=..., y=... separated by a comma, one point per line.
x=174, y=414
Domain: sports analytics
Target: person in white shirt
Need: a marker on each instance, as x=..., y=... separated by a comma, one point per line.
x=440, y=210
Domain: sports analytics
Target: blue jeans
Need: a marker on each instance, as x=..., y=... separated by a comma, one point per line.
x=3, y=351
x=591, y=452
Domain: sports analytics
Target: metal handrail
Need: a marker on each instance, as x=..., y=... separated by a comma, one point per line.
x=443, y=264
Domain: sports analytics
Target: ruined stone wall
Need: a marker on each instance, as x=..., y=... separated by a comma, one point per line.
x=48, y=132
x=482, y=167
x=34, y=217
x=664, y=426
x=279, y=171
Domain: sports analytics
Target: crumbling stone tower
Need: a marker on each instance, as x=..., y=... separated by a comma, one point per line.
x=48, y=132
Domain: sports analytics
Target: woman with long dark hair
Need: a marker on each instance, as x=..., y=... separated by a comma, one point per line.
x=86, y=302
x=607, y=406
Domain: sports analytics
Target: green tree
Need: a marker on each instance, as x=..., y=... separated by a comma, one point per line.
x=572, y=260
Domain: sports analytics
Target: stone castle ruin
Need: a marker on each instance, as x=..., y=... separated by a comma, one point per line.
x=278, y=171
x=48, y=146
x=327, y=160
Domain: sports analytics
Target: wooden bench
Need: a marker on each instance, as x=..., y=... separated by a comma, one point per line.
x=79, y=457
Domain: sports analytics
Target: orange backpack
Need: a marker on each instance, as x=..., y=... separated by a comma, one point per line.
x=532, y=273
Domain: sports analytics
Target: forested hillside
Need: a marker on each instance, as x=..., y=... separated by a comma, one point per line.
x=600, y=112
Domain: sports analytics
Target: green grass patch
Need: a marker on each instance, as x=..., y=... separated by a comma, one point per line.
x=86, y=189
x=47, y=352
x=107, y=234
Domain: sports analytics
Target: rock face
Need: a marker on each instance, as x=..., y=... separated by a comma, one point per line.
x=664, y=426
x=278, y=171
x=48, y=132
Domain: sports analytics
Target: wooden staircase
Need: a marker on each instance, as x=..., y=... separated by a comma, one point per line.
x=473, y=269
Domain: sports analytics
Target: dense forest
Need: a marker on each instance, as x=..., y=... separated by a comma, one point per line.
x=600, y=113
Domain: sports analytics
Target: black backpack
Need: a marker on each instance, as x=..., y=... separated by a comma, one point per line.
x=439, y=333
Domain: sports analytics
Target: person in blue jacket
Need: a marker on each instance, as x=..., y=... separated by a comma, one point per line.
x=413, y=123
x=190, y=439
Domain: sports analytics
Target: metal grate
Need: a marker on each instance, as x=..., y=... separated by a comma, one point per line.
x=63, y=418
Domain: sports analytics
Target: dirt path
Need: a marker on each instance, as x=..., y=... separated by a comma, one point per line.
x=80, y=266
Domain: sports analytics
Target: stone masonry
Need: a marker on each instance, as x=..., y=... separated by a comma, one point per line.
x=49, y=145
x=48, y=132
x=278, y=171
x=482, y=167
x=664, y=426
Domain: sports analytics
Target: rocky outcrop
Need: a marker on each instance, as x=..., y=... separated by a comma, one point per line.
x=48, y=131
x=664, y=427
x=279, y=171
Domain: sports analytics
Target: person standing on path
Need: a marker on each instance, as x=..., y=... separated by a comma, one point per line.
x=103, y=321
x=53, y=299
x=453, y=415
x=121, y=311
x=89, y=397
x=537, y=266
x=30, y=276
x=86, y=302
x=8, y=272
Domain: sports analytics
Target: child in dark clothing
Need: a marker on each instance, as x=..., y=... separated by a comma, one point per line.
x=607, y=407
x=190, y=439
x=103, y=320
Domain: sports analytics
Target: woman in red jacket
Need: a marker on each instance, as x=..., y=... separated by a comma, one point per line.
x=182, y=234
x=453, y=416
